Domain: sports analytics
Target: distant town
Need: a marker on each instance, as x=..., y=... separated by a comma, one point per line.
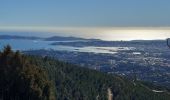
x=144, y=60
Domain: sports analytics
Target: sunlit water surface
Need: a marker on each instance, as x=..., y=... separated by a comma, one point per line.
x=39, y=44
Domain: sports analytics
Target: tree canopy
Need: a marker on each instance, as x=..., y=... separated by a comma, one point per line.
x=22, y=80
x=27, y=77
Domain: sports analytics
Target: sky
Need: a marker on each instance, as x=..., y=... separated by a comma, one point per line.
x=85, y=13
x=88, y=17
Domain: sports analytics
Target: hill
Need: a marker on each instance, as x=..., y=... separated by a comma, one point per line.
x=58, y=38
x=19, y=37
x=75, y=83
x=34, y=77
x=52, y=38
x=22, y=80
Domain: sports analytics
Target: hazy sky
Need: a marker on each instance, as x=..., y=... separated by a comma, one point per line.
x=85, y=13
x=147, y=19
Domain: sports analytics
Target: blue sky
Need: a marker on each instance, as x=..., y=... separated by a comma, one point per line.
x=85, y=13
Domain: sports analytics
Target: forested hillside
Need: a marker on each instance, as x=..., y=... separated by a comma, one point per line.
x=75, y=83
x=42, y=78
x=22, y=80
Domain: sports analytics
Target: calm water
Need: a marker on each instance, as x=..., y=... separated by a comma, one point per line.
x=39, y=44
x=112, y=33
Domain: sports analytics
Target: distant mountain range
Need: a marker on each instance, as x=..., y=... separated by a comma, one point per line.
x=19, y=37
x=53, y=38
x=62, y=38
x=59, y=38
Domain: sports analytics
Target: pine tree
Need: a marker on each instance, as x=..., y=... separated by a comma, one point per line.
x=20, y=80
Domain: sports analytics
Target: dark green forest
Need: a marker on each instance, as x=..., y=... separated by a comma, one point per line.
x=26, y=77
x=22, y=80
